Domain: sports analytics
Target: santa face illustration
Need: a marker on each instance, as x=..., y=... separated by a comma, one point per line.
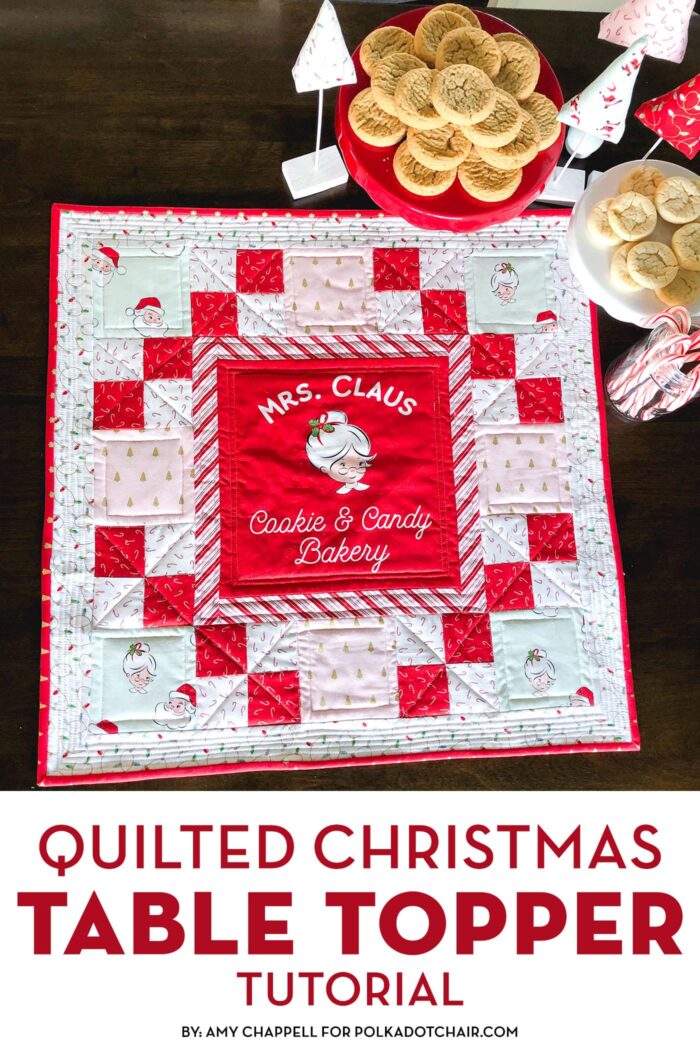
x=105, y=264
x=149, y=318
x=546, y=321
x=539, y=671
x=178, y=711
x=340, y=450
x=139, y=666
x=504, y=282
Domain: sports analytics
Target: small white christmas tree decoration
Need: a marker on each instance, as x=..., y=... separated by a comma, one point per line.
x=323, y=62
x=598, y=113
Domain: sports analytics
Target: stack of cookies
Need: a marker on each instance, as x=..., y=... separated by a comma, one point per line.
x=627, y=222
x=458, y=103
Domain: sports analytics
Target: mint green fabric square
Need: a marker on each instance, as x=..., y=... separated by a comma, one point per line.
x=539, y=658
x=510, y=290
x=146, y=279
x=134, y=673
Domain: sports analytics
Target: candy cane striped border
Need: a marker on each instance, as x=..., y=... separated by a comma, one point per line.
x=209, y=607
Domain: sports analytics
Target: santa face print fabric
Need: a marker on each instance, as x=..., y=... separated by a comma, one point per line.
x=336, y=491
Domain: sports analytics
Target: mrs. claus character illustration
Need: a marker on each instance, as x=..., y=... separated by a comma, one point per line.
x=105, y=263
x=139, y=666
x=539, y=671
x=178, y=711
x=149, y=318
x=504, y=282
x=340, y=450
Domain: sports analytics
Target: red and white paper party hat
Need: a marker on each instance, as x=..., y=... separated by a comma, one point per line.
x=324, y=61
x=675, y=117
x=601, y=108
x=665, y=22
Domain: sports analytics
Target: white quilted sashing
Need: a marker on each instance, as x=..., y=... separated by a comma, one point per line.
x=222, y=736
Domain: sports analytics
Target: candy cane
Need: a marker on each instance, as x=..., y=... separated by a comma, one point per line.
x=635, y=383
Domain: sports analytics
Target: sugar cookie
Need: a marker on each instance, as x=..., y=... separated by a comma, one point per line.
x=469, y=46
x=619, y=274
x=600, y=230
x=440, y=149
x=632, y=216
x=382, y=42
x=520, y=70
x=686, y=246
x=518, y=38
x=463, y=94
x=387, y=75
x=412, y=100
x=683, y=290
x=652, y=264
x=678, y=200
x=371, y=124
x=544, y=112
x=460, y=9
x=501, y=126
x=485, y=183
x=517, y=153
x=644, y=180
x=432, y=29
x=415, y=177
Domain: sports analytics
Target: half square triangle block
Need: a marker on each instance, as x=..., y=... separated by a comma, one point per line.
x=120, y=551
x=118, y=405
x=551, y=537
x=467, y=638
x=539, y=400
x=273, y=698
x=167, y=358
x=259, y=271
x=396, y=269
x=509, y=586
x=214, y=313
x=444, y=312
x=493, y=357
x=423, y=690
x=221, y=650
x=168, y=601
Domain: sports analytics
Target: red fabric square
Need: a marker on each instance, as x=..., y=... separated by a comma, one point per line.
x=493, y=356
x=396, y=269
x=120, y=551
x=551, y=537
x=118, y=405
x=214, y=313
x=259, y=271
x=273, y=698
x=168, y=601
x=259, y=555
x=444, y=312
x=509, y=586
x=222, y=649
x=539, y=400
x=423, y=690
x=467, y=638
x=167, y=359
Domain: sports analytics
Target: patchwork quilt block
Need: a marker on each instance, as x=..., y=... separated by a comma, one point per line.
x=322, y=488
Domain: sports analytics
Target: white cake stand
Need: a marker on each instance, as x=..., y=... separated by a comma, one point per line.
x=591, y=264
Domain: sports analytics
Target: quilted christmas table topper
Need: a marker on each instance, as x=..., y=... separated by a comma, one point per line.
x=322, y=488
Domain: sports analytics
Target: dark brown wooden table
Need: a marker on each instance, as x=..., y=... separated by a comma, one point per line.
x=190, y=102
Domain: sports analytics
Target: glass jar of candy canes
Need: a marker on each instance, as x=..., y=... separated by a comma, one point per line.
x=661, y=372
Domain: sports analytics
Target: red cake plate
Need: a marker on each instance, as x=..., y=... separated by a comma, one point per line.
x=371, y=166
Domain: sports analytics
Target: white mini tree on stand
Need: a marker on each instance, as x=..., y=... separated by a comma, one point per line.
x=598, y=113
x=324, y=62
